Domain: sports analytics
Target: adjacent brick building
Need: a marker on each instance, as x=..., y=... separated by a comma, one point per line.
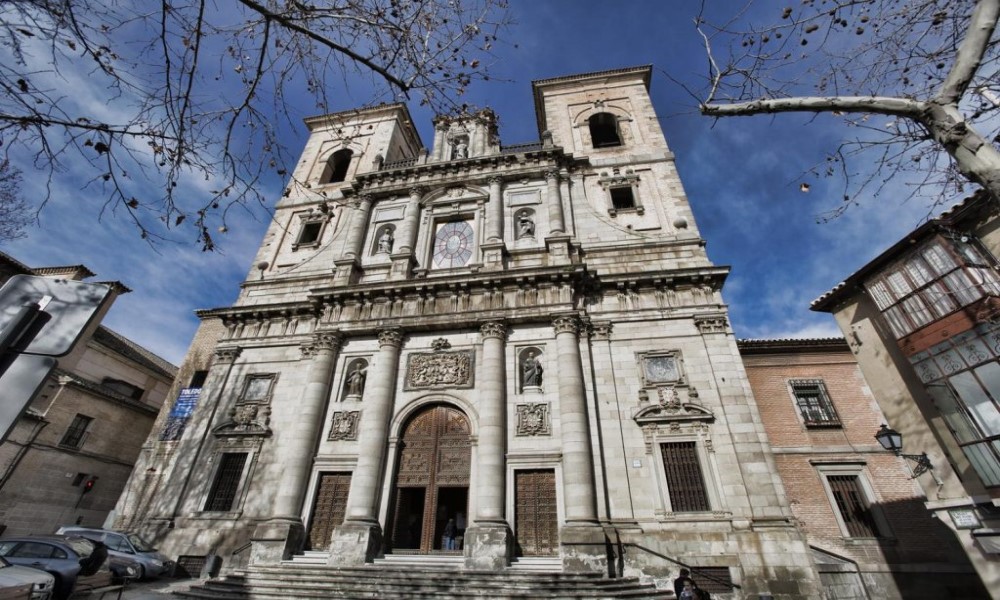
x=863, y=512
x=68, y=457
x=923, y=320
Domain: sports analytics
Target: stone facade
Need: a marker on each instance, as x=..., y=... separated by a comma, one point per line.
x=510, y=337
x=927, y=370
x=87, y=423
x=861, y=509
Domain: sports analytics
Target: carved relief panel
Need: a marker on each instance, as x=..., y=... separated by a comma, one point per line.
x=441, y=369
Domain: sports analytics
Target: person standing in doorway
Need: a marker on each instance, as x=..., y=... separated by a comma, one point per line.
x=449, y=535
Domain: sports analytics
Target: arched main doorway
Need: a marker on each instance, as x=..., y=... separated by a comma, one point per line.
x=432, y=479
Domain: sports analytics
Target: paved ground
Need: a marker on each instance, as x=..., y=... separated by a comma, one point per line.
x=153, y=590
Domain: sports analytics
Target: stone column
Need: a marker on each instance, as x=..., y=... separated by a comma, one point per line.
x=406, y=237
x=582, y=538
x=359, y=539
x=439, y=152
x=282, y=535
x=557, y=222
x=494, y=231
x=493, y=247
x=408, y=229
x=348, y=267
x=359, y=225
x=488, y=540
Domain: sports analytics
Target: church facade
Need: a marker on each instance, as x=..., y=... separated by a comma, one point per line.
x=500, y=353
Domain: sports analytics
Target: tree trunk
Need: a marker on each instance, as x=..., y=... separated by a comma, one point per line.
x=975, y=156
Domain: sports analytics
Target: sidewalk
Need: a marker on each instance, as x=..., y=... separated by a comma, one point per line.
x=156, y=590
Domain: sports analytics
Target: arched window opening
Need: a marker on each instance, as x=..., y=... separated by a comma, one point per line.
x=604, y=130
x=336, y=167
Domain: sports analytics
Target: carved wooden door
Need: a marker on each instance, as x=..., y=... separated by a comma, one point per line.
x=329, y=508
x=536, y=519
x=432, y=478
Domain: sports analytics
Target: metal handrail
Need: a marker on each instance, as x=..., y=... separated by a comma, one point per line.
x=694, y=570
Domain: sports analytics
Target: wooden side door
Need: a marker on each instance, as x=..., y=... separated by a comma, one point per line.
x=329, y=508
x=536, y=518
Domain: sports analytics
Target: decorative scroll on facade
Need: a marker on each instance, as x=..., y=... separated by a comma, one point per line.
x=439, y=370
x=247, y=419
x=672, y=414
x=533, y=419
x=344, y=425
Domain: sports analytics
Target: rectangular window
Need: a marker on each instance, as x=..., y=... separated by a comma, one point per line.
x=309, y=233
x=852, y=505
x=814, y=404
x=715, y=580
x=198, y=379
x=685, y=483
x=73, y=437
x=932, y=282
x=227, y=481
x=622, y=198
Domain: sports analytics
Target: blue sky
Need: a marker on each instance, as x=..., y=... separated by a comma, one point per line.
x=742, y=177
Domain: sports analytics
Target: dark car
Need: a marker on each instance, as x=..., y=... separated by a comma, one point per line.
x=75, y=562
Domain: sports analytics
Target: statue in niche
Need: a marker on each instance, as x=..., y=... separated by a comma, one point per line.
x=356, y=380
x=525, y=226
x=531, y=371
x=461, y=149
x=385, y=241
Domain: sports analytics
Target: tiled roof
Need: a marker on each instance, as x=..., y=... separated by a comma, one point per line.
x=80, y=271
x=102, y=390
x=751, y=346
x=126, y=347
x=18, y=265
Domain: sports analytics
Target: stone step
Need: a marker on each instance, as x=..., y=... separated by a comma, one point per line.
x=420, y=561
x=279, y=590
x=408, y=572
x=541, y=564
x=407, y=582
x=311, y=557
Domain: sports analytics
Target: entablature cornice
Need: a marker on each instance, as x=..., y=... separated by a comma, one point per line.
x=713, y=277
x=449, y=173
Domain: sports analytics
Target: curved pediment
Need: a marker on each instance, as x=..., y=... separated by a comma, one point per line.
x=458, y=193
x=672, y=412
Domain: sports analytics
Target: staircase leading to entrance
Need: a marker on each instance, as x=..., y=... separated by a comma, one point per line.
x=441, y=578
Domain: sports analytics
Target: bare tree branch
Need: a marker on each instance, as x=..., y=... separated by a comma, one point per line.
x=932, y=65
x=879, y=105
x=178, y=111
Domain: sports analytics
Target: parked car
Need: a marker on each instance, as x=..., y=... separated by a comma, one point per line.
x=75, y=562
x=129, y=546
x=24, y=583
x=123, y=570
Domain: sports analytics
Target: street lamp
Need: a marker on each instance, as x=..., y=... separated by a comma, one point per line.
x=892, y=440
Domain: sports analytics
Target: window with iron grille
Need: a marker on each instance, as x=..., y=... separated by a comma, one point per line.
x=73, y=437
x=814, y=403
x=227, y=481
x=852, y=505
x=685, y=483
x=716, y=580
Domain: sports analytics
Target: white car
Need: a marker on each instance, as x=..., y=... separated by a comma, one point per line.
x=24, y=583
